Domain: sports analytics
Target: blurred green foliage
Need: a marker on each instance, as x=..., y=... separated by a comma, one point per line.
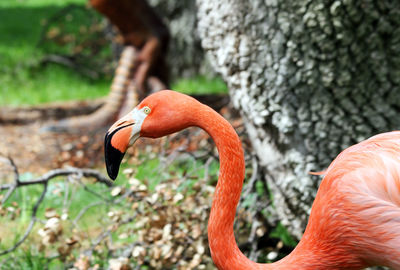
x=22, y=81
x=23, y=77
x=200, y=85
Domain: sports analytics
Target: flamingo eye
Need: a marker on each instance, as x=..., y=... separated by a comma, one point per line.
x=146, y=110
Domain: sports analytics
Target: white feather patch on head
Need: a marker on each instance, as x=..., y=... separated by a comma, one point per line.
x=138, y=116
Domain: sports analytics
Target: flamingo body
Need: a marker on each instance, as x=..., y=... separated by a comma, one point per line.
x=355, y=218
x=356, y=213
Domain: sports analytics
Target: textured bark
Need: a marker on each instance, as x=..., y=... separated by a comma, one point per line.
x=185, y=56
x=310, y=78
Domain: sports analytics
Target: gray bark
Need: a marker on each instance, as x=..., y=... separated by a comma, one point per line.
x=185, y=55
x=310, y=79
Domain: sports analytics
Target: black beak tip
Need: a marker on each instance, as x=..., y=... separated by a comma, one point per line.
x=112, y=171
x=113, y=157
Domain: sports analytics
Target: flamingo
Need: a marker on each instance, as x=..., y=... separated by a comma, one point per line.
x=355, y=218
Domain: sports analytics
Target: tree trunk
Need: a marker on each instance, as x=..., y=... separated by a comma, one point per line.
x=185, y=55
x=310, y=79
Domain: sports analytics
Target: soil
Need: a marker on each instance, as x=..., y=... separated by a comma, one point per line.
x=35, y=150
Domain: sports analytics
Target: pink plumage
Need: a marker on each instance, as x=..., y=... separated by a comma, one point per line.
x=354, y=221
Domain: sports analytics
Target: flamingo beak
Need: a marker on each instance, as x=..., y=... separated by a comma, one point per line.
x=119, y=137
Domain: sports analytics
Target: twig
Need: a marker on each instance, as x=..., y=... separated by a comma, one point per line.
x=107, y=233
x=66, y=202
x=31, y=223
x=50, y=175
x=250, y=185
x=207, y=167
x=13, y=186
x=84, y=210
x=70, y=62
x=15, y=169
x=43, y=180
x=252, y=240
x=117, y=200
x=61, y=172
x=11, y=189
x=92, y=191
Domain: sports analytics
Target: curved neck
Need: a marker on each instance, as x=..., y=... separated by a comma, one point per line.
x=224, y=250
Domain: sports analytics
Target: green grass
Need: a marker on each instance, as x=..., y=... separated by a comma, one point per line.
x=30, y=259
x=28, y=255
x=26, y=197
x=39, y=3
x=24, y=82
x=281, y=232
x=200, y=85
x=54, y=83
x=21, y=81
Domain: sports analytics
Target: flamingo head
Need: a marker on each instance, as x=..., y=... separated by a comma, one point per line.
x=160, y=114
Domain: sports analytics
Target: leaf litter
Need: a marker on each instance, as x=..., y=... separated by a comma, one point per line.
x=162, y=226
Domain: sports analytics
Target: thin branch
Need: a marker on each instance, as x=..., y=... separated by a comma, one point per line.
x=50, y=175
x=107, y=233
x=117, y=200
x=10, y=191
x=250, y=185
x=70, y=62
x=84, y=210
x=85, y=187
x=207, y=167
x=11, y=187
x=44, y=180
x=15, y=169
x=253, y=241
x=31, y=223
x=66, y=202
x=61, y=172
